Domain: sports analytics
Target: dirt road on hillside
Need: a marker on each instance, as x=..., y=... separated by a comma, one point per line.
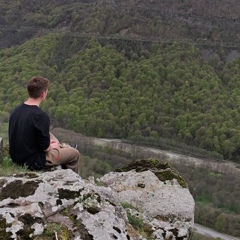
x=224, y=167
x=209, y=232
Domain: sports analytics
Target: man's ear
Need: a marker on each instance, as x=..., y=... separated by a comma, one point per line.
x=43, y=94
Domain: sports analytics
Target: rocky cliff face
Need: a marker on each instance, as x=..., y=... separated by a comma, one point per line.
x=145, y=200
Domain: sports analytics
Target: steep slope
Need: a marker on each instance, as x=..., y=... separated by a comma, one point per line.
x=202, y=22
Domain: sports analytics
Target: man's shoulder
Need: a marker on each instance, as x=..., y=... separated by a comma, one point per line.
x=16, y=109
x=39, y=114
x=18, y=106
x=28, y=110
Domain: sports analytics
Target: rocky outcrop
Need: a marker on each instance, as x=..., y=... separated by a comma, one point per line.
x=157, y=194
x=133, y=203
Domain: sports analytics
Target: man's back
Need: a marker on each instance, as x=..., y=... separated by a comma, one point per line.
x=29, y=136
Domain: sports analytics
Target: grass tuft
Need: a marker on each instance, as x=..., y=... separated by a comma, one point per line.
x=7, y=167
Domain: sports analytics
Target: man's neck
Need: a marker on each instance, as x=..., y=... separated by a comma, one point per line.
x=33, y=102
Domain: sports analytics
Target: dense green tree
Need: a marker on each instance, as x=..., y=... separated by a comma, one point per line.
x=221, y=223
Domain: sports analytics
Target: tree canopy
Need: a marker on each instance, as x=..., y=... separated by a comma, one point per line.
x=106, y=90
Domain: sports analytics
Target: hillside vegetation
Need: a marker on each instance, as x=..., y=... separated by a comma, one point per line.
x=104, y=90
x=145, y=70
x=200, y=22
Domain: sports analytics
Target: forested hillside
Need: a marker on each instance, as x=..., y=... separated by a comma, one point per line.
x=201, y=22
x=148, y=70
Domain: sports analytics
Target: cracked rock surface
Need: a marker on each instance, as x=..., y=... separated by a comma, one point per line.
x=60, y=204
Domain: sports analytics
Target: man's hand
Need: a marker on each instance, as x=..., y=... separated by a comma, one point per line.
x=54, y=144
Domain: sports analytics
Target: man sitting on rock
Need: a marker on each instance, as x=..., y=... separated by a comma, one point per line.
x=30, y=142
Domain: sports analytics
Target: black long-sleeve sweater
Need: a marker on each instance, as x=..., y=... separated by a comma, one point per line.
x=29, y=136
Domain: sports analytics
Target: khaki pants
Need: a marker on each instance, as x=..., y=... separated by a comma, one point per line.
x=67, y=156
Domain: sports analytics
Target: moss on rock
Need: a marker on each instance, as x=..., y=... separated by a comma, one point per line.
x=95, y=196
x=91, y=202
x=170, y=174
x=18, y=189
x=29, y=175
x=25, y=233
x=68, y=194
x=92, y=209
x=144, y=165
x=162, y=169
x=3, y=225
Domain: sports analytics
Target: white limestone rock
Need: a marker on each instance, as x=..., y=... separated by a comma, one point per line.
x=30, y=202
x=61, y=202
x=156, y=198
x=167, y=205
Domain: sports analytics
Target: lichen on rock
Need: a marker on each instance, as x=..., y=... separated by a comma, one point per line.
x=40, y=205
